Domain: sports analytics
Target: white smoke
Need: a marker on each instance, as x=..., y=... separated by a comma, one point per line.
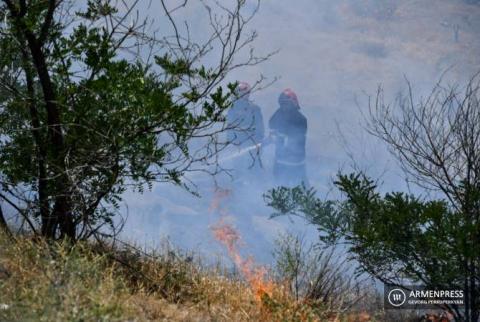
x=333, y=54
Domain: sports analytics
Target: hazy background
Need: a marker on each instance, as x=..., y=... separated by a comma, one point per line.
x=333, y=54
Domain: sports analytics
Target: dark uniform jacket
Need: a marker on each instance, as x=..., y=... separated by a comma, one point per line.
x=289, y=127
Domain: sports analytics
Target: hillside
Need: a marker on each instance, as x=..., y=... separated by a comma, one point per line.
x=95, y=282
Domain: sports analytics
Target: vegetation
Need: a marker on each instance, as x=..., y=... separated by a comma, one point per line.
x=93, y=102
x=316, y=274
x=95, y=282
x=402, y=238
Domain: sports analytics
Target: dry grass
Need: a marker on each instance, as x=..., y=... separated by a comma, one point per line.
x=58, y=282
x=55, y=283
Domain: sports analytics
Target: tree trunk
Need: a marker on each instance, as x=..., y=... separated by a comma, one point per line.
x=3, y=223
x=41, y=151
x=61, y=215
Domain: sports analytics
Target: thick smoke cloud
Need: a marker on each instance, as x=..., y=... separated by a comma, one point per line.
x=333, y=54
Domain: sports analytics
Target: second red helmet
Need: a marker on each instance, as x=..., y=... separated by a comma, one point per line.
x=288, y=96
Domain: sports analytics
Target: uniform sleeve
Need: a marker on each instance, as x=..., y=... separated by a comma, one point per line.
x=273, y=122
x=305, y=124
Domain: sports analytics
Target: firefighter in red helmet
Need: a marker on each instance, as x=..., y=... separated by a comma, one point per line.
x=289, y=129
x=246, y=128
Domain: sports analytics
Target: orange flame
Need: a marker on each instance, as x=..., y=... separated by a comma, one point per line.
x=218, y=195
x=256, y=276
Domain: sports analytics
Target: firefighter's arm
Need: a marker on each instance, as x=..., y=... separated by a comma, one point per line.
x=275, y=137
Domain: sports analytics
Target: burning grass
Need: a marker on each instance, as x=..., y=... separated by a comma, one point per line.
x=256, y=276
x=98, y=282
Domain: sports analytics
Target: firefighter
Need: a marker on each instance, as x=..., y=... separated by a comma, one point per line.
x=288, y=128
x=246, y=129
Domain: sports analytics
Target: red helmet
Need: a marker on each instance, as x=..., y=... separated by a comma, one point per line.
x=288, y=96
x=243, y=89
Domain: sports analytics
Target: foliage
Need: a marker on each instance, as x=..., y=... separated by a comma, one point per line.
x=397, y=237
x=328, y=215
x=90, y=106
x=402, y=238
x=319, y=275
